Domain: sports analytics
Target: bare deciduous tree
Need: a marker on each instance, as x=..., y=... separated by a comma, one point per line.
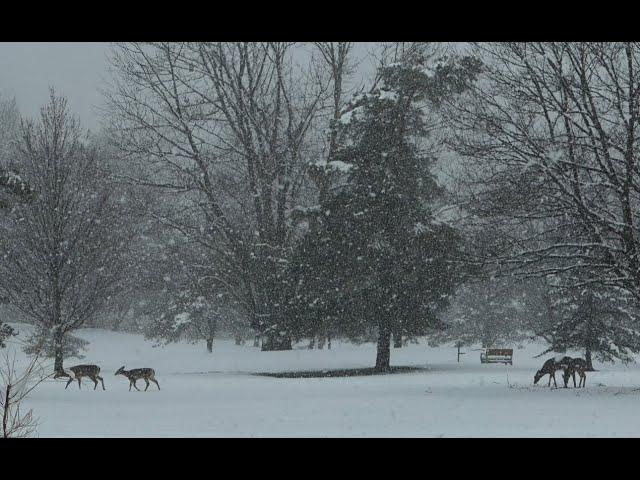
x=62, y=251
x=16, y=386
x=551, y=134
x=226, y=125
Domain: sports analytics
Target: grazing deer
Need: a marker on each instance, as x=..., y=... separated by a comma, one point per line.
x=136, y=374
x=576, y=365
x=79, y=371
x=549, y=368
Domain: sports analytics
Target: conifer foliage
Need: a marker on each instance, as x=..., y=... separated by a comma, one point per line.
x=381, y=258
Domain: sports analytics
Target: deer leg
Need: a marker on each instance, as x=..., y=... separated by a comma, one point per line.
x=156, y=382
x=147, y=382
x=134, y=384
x=79, y=387
x=70, y=380
x=549, y=384
x=554, y=379
x=101, y=381
x=95, y=382
x=130, y=383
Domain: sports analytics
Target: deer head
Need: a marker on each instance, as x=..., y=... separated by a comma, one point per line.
x=539, y=374
x=120, y=370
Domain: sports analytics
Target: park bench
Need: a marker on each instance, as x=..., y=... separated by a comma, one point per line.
x=497, y=355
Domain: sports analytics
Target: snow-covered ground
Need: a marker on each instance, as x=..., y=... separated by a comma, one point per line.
x=216, y=395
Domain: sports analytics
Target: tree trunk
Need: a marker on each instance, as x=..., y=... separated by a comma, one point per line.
x=276, y=342
x=587, y=358
x=383, y=356
x=256, y=341
x=329, y=341
x=397, y=341
x=321, y=341
x=211, y=324
x=239, y=340
x=312, y=343
x=57, y=364
x=5, y=413
x=58, y=354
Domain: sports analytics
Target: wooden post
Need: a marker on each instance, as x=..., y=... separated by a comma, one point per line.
x=458, y=345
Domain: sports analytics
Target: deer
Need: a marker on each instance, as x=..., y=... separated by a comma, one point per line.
x=576, y=365
x=78, y=371
x=136, y=374
x=549, y=368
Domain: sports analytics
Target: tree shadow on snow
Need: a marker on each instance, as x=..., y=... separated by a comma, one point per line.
x=351, y=372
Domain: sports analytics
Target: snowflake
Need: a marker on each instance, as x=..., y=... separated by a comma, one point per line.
x=419, y=228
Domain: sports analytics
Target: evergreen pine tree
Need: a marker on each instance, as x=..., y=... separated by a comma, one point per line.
x=597, y=321
x=381, y=257
x=6, y=331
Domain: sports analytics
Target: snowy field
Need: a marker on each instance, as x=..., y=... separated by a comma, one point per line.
x=210, y=395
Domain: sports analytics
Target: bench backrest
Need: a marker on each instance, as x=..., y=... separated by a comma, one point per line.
x=505, y=352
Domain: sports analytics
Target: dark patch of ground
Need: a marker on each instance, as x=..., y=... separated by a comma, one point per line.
x=351, y=372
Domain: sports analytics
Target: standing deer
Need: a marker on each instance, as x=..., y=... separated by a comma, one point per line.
x=136, y=374
x=79, y=371
x=576, y=365
x=549, y=368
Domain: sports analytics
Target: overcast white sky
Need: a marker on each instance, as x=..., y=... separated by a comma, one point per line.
x=76, y=70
